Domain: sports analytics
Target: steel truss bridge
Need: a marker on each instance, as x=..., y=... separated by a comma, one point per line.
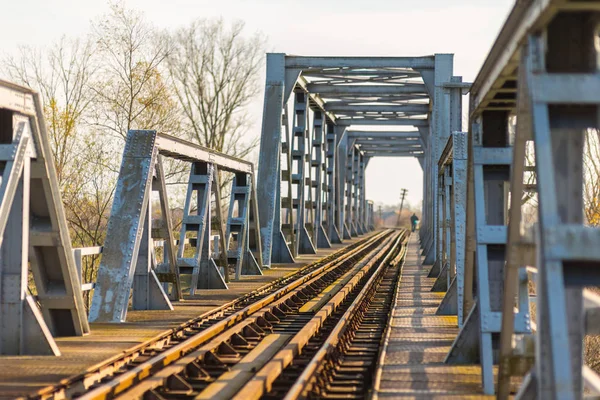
x=324, y=118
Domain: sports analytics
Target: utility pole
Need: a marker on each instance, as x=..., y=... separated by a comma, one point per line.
x=403, y=195
x=380, y=217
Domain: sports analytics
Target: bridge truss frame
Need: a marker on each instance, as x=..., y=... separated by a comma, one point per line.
x=303, y=209
x=134, y=264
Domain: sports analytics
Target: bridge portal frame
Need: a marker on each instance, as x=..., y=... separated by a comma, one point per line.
x=347, y=93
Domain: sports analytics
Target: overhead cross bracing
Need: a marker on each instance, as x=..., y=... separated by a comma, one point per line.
x=357, y=93
x=388, y=144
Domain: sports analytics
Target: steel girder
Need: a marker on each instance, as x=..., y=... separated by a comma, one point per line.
x=372, y=108
x=320, y=63
x=373, y=134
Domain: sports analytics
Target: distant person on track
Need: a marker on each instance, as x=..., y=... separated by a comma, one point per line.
x=414, y=220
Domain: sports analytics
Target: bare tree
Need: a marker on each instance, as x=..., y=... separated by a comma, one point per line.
x=131, y=91
x=62, y=75
x=88, y=203
x=214, y=69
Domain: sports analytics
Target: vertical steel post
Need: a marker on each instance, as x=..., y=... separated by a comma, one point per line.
x=439, y=133
x=238, y=225
x=350, y=167
x=274, y=246
x=320, y=184
x=342, y=193
x=129, y=219
x=300, y=159
x=332, y=193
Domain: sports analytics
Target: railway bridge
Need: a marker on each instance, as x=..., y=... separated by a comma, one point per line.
x=293, y=291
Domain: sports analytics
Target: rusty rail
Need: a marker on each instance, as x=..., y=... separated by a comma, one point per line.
x=122, y=363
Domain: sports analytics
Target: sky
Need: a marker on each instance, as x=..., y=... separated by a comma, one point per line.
x=466, y=28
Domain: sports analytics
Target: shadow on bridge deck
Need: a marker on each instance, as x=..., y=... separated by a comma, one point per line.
x=22, y=375
x=419, y=340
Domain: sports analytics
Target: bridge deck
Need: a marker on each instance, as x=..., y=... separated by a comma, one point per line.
x=22, y=375
x=419, y=341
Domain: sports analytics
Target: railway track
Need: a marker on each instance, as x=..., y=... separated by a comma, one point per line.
x=249, y=343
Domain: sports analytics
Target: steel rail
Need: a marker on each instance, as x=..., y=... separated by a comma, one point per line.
x=306, y=381
x=262, y=382
x=80, y=383
x=127, y=379
x=263, y=321
x=345, y=327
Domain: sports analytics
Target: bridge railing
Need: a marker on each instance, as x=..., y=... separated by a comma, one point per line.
x=80, y=252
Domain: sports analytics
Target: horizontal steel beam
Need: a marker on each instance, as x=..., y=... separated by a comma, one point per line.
x=362, y=72
x=393, y=122
x=373, y=115
x=418, y=108
x=399, y=98
x=393, y=154
x=393, y=150
x=17, y=98
x=369, y=153
x=383, y=134
x=374, y=90
x=411, y=147
x=183, y=150
x=387, y=142
x=384, y=142
x=301, y=62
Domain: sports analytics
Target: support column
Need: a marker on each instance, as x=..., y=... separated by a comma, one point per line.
x=319, y=185
x=490, y=158
x=439, y=133
x=362, y=203
x=355, y=229
x=148, y=292
x=343, y=166
x=128, y=249
x=332, y=192
x=300, y=158
x=459, y=216
x=274, y=246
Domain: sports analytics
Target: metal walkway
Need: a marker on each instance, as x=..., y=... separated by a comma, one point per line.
x=418, y=341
